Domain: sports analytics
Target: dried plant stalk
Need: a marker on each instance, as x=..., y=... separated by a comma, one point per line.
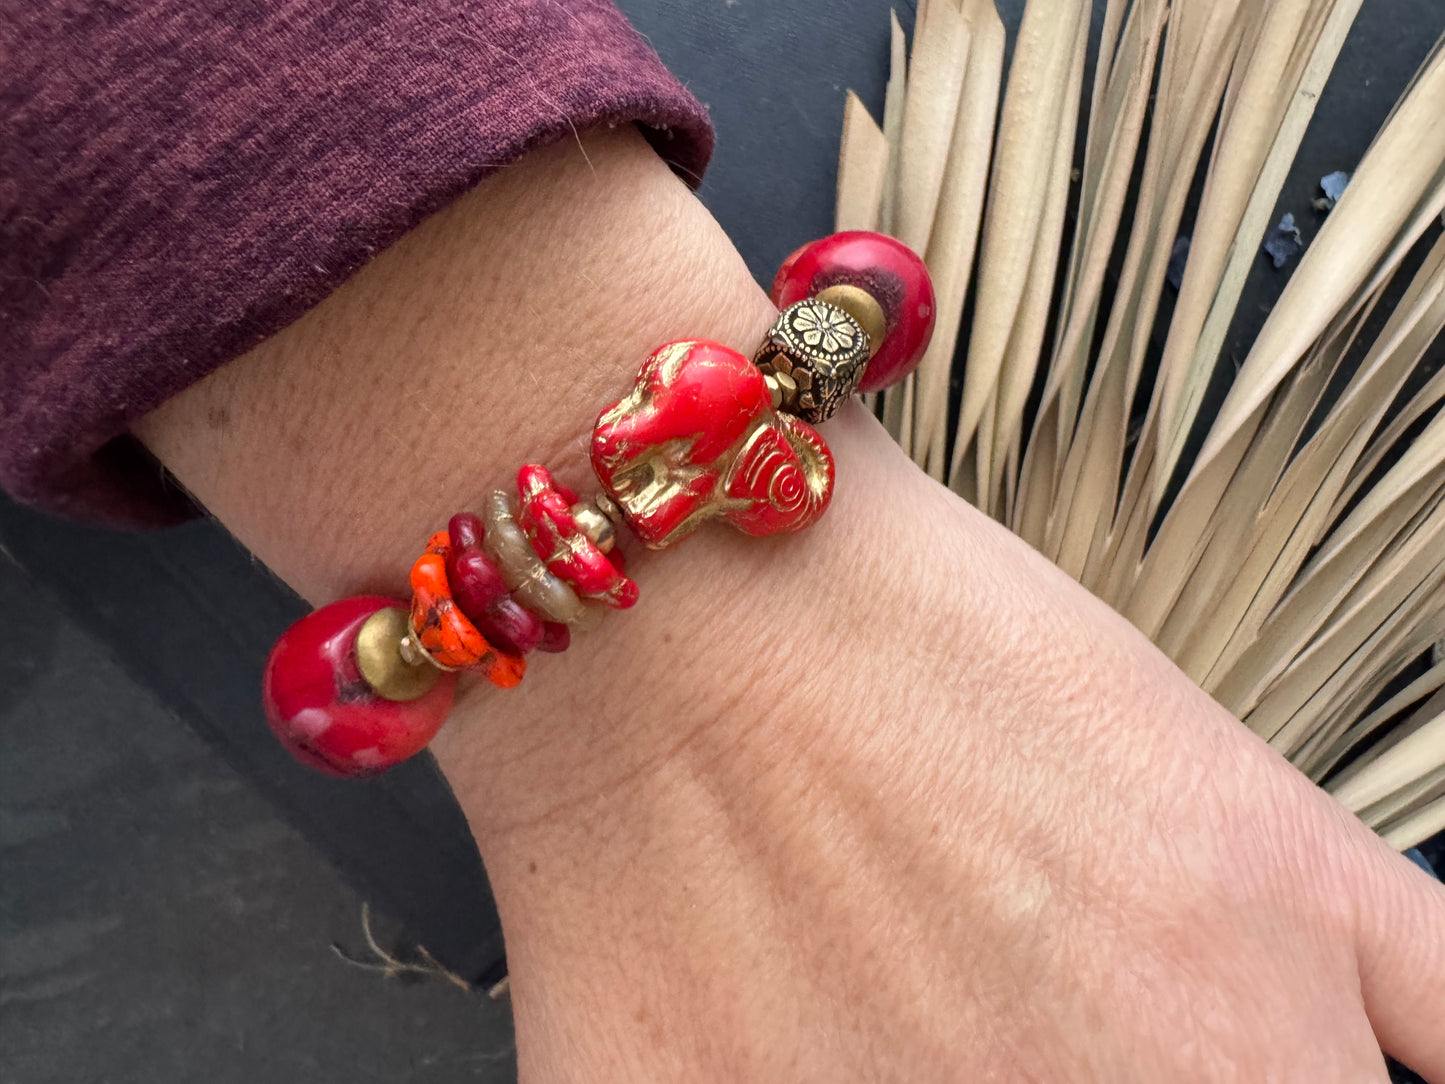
x=863, y=170
x=1301, y=567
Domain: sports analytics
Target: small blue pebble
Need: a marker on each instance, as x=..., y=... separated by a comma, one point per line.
x=1333, y=185
x=1283, y=241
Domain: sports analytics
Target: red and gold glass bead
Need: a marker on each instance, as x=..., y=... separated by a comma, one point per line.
x=545, y=514
x=698, y=438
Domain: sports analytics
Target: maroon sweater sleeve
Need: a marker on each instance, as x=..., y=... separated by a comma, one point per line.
x=181, y=178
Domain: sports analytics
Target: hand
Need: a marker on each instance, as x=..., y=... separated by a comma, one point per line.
x=890, y=800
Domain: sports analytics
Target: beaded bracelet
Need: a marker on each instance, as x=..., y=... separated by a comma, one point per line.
x=364, y=683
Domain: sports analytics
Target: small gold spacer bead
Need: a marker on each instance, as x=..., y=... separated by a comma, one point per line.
x=863, y=307
x=608, y=507
x=774, y=389
x=783, y=388
x=595, y=525
x=385, y=655
x=414, y=653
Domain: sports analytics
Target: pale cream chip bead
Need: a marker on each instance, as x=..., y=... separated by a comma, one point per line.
x=523, y=571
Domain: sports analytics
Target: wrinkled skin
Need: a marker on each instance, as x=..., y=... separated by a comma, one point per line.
x=1009, y=841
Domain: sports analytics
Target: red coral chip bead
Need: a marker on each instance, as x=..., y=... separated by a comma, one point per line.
x=482, y=595
x=545, y=515
x=885, y=268
x=322, y=709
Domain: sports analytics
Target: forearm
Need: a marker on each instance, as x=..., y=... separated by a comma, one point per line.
x=489, y=336
x=492, y=336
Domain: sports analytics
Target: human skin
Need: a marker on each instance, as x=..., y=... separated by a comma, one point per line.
x=893, y=799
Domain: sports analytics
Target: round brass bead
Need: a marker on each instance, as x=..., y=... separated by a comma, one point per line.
x=596, y=526
x=863, y=307
x=379, y=657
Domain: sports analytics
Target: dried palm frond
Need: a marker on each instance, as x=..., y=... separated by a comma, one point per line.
x=1295, y=565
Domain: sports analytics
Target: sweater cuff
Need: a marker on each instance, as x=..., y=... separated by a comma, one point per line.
x=180, y=180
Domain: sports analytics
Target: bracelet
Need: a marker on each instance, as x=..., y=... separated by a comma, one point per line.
x=364, y=683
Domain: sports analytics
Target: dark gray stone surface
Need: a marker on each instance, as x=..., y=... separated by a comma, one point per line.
x=160, y=922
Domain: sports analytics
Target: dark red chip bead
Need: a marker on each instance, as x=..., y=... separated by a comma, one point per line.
x=325, y=713
x=884, y=267
x=556, y=638
x=465, y=531
x=482, y=595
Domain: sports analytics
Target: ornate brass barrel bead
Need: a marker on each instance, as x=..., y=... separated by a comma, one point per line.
x=821, y=349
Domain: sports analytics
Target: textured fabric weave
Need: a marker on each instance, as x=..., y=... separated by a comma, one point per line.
x=181, y=178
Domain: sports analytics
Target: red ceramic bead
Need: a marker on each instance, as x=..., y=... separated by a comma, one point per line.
x=698, y=438
x=323, y=711
x=545, y=515
x=482, y=595
x=884, y=267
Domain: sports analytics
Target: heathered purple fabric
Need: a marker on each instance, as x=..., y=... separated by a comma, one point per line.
x=181, y=178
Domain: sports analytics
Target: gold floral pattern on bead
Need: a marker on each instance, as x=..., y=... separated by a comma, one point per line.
x=814, y=355
x=823, y=325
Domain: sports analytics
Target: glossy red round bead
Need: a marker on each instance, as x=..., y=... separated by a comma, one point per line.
x=325, y=713
x=888, y=270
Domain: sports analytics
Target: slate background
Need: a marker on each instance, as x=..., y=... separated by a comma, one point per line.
x=161, y=920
